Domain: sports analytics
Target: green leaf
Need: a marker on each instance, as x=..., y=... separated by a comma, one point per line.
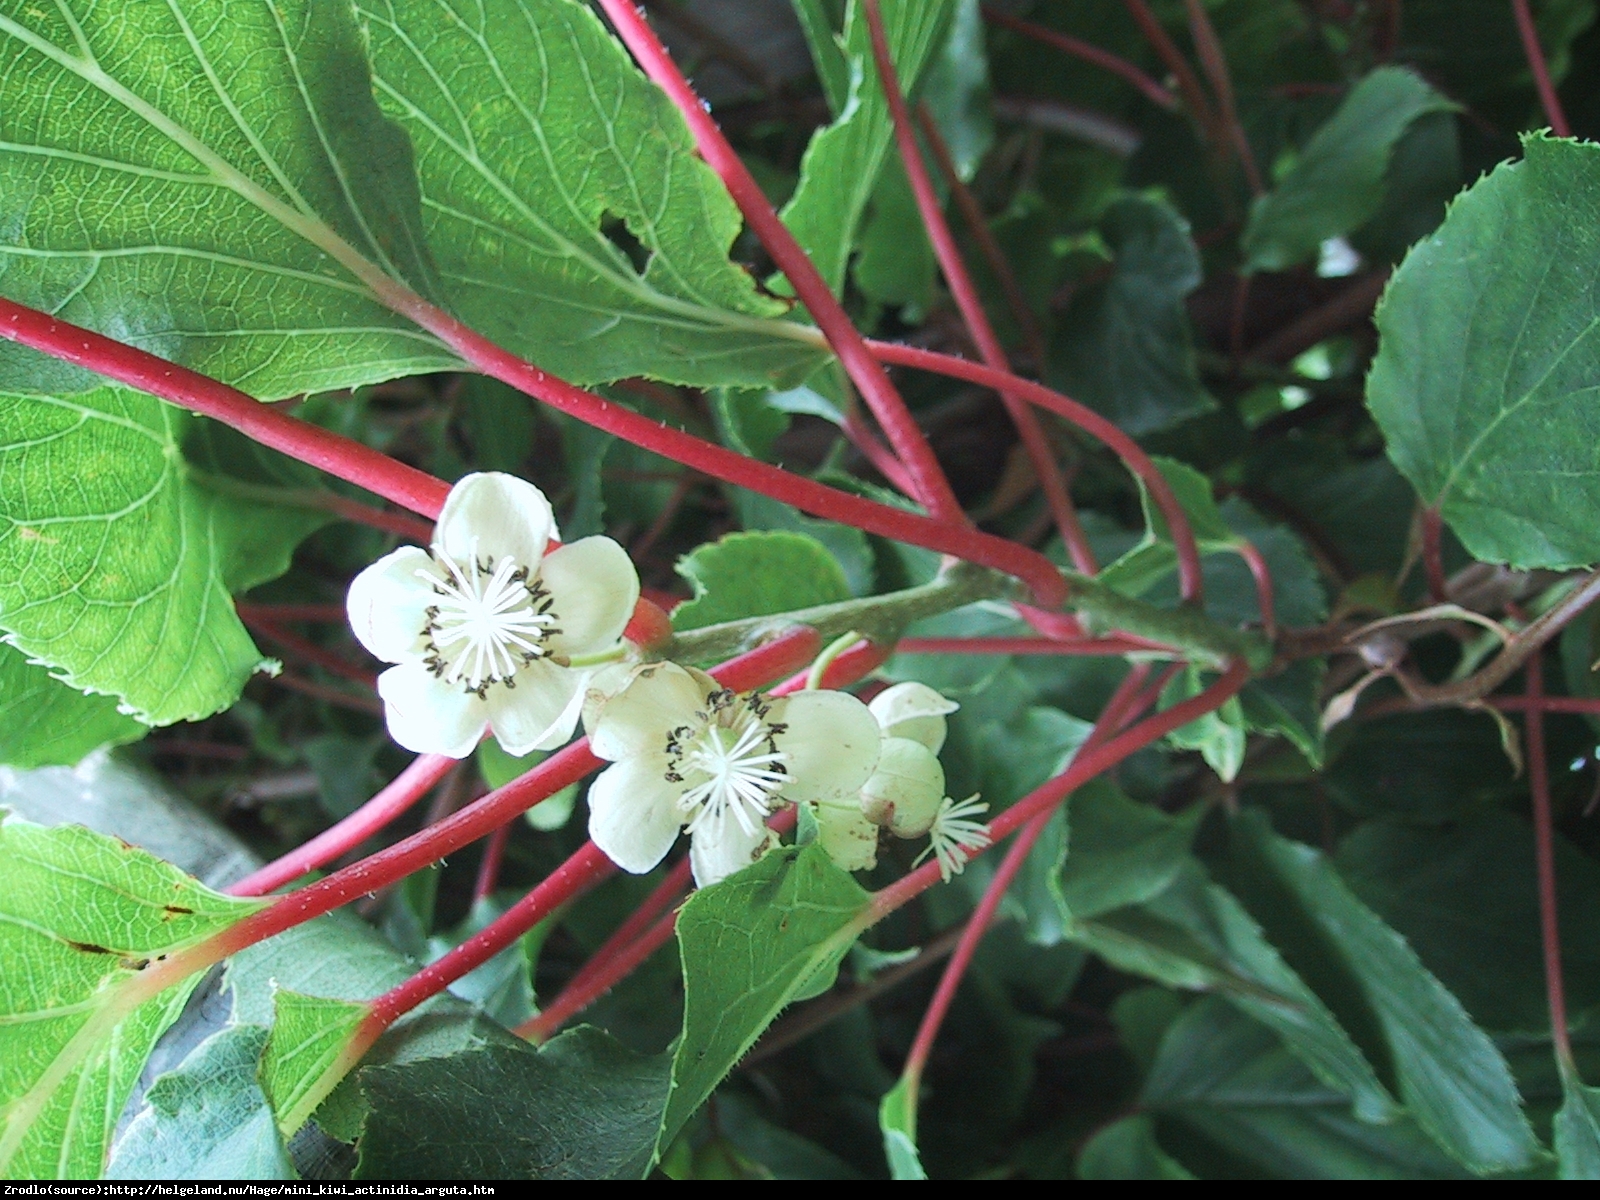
x=1488, y=355
x=1127, y=1149
x=896, y=263
x=1450, y=1075
x=746, y=422
x=1430, y=766
x=1122, y=853
x=847, y=543
x=957, y=92
x=841, y=165
x=207, y=189
x=1577, y=1129
x=1124, y=346
x=537, y=140
x=309, y=1034
x=1218, y=735
x=1230, y=1079
x=81, y=916
x=582, y=1107
x=897, y=1118
x=757, y=574
x=750, y=945
x=1195, y=935
x=45, y=722
x=1337, y=182
x=115, y=565
x=208, y=1119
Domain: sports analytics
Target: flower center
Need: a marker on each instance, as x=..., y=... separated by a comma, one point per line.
x=492, y=617
x=731, y=754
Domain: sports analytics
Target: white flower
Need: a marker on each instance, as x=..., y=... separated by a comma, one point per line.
x=954, y=835
x=690, y=753
x=485, y=627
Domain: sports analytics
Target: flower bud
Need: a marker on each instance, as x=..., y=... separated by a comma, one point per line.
x=905, y=789
x=914, y=711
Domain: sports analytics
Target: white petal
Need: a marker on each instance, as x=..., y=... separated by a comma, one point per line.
x=658, y=699
x=832, y=742
x=428, y=715
x=850, y=840
x=633, y=813
x=490, y=514
x=541, y=712
x=906, y=788
x=721, y=847
x=603, y=684
x=387, y=604
x=915, y=711
x=594, y=587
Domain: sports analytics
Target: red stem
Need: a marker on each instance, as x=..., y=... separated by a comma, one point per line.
x=494, y=851
x=1016, y=645
x=932, y=488
x=1541, y=72
x=309, y=651
x=1263, y=581
x=1085, y=765
x=1544, y=852
x=1543, y=703
x=959, y=281
x=396, y=523
x=1432, y=558
x=316, y=613
x=408, y=787
x=341, y=456
x=1087, y=51
x=1215, y=63
x=880, y=456
x=1167, y=50
x=1084, y=418
x=328, y=695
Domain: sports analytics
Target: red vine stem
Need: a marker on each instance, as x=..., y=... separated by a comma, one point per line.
x=966, y=297
x=1215, y=63
x=411, y=785
x=390, y=522
x=328, y=614
x=1541, y=71
x=1544, y=852
x=1087, y=51
x=341, y=456
x=1017, y=645
x=932, y=488
x=1084, y=418
x=880, y=456
x=1182, y=73
x=309, y=651
x=1432, y=558
x=494, y=851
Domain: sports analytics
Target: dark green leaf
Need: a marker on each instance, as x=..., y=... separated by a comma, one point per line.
x=1337, y=182
x=44, y=722
x=1127, y=1149
x=1488, y=353
x=757, y=574
x=1122, y=853
x=1577, y=1129
x=208, y=1119
x=583, y=1107
x=1432, y=766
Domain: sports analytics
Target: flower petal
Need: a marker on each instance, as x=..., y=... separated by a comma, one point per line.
x=905, y=789
x=490, y=514
x=633, y=813
x=594, y=587
x=541, y=712
x=636, y=720
x=428, y=715
x=915, y=711
x=832, y=742
x=387, y=604
x=721, y=846
x=849, y=839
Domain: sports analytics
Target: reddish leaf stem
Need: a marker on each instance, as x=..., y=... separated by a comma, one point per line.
x=494, y=852
x=1088, y=52
x=289, y=681
x=1247, y=550
x=398, y=524
x=316, y=613
x=1541, y=70
x=341, y=456
x=1017, y=645
x=1432, y=558
x=932, y=488
x=1544, y=851
x=309, y=651
x=959, y=280
x=1215, y=64
x=407, y=788
x=1084, y=418
x=1182, y=73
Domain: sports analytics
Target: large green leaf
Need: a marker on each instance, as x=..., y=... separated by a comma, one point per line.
x=534, y=136
x=1127, y=1149
x=309, y=1033
x=208, y=1119
x=44, y=722
x=201, y=180
x=755, y=575
x=115, y=566
x=1450, y=1075
x=1488, y=357
x=1338, y=180
x=841, y=165
x=583, y=1107
x=750, y=945
x=81, y=916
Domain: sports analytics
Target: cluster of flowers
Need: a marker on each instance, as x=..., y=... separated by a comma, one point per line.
x=491, y=633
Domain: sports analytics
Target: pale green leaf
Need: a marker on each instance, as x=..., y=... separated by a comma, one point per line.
x=755, y=575
x=115, y=566
x=534, y=134
x=44, y=722
x=1488, y=358
x=750, y=945
x=208, y=1119
x=81, y=916
x=204, y=181
x=1577, y=1129
x=1338, y=180
x=309, y=1033
x=1449, y=1073
x=897, y=1118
